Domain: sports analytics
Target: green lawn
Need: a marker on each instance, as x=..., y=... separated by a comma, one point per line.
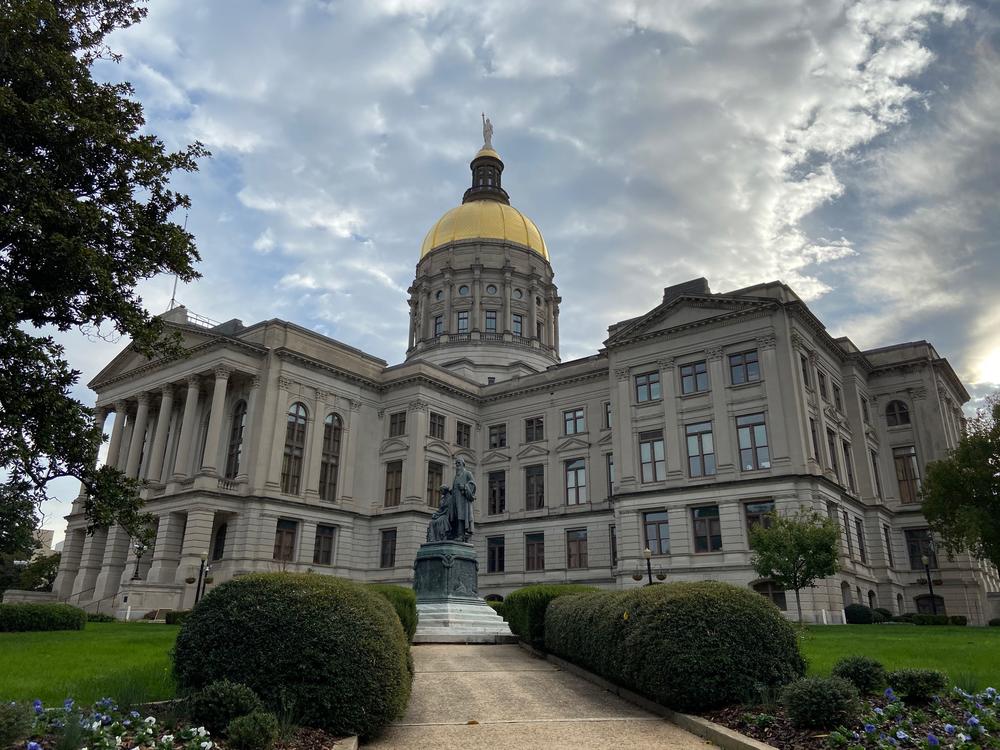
x=126, y=661
x=970, y=656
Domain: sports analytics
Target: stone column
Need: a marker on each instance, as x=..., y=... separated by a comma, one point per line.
x=425, y=313
x=532, y=311
x=90, y=566
x=415, y=465
x=69, y=563
x=505, y=326
x=278, y=441
x=247, y=459
x=621, y=409
x=194, y=549
x=777, y=433
x=555, y=325
x=166, y=548
x=722, y=430
x=314, y=444
x=349, y=449
x=160, y=434
x=117, y=430
x=182, y=462
x=413, y=322
x=115, y=551
x=138, y=436
x=550, y=334
x=448, y=294
x=477, y=314
x=209, y=464
x=674, y=439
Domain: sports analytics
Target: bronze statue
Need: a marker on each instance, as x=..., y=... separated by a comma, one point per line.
x=454, y=518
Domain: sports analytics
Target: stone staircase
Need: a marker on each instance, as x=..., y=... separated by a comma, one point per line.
x=468, y=621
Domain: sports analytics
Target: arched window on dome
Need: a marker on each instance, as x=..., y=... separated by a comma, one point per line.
x=897, y=413
x=235, y=450
x=295, y=447
x=330, y=466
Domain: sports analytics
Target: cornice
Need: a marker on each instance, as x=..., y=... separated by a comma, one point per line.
x=750, y=313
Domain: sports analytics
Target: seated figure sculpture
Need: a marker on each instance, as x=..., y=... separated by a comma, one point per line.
x=453, y=521
x=439, y=529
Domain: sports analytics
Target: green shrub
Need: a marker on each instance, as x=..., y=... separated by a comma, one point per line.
x=24, y=617
x=917, y=685
x=497, y=605
x=930, y=619
x=331, y=652
x=525, y=609
x=404, y=601
x=255, y=731
x=221, y=702
x=905, y=617
x=176, y=616
x=866, y=674
x=958, y=620
x=99, y=617
x=995, y=622
x=15, y=723
x=821, y=702
x=859, y=614
x=886, y=614
x=687, y=645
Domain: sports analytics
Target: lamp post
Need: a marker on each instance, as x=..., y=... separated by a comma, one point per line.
x=140, y=549
x=202, y=574
x=648, y=554
x=926, y=560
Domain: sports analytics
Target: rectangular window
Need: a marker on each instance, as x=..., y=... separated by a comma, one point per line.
x=707, y=529
x=694, y=378
x=573, y=421
x=438, y=325
x=284, y=540
x=815, y=440
x=323, y=550
x=534, y=487
x=397, y=424
x=847, y=533
x=849, y=466
x=859, y=529
x=887, y=535
x=387, y=549
x=821, y=380
x=613, y=534
x=656, y=530
x=905, y=458
x=759, y=513
x=700, y=449
x=647, y=387
x=496, y=492
x=831, y=444
x=576, y=549
x=838, y=400
x=607, y=415
x=534, y=429
x=804, y=364
x=534, y=551
x=517, y=324
x=752, y=435
x=393, y=483
x=609, y=460
x=876, y=475
x=463, y=434
x=463, y=321
x=576, y=481
x=436, y=429
x=498, y=436
x=494, y=554
x=918, y=545
x=744, y=368
x=435, y=478
x=652, y=461
x=491, y=321
x=865, y=414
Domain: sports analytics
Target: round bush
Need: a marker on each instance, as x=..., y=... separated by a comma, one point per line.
x=16, y=720
x=886, y=614
x=918, y=685
x=821, y=702
x=961, y=620
x=867, y=675
x=859, y=614
x=689, y=646
x=220, y=703
x=403, y=600
x=525, y=608
x=255, y=731
x=327, y=651
x=176, y=616
x=995, y=622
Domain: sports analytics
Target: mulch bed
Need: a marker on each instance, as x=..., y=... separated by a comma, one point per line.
x=308, y=739
x=781, y=734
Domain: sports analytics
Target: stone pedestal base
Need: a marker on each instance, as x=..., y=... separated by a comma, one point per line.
x=460, y=622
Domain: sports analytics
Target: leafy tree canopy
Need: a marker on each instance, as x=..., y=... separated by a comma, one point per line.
x=85, y=214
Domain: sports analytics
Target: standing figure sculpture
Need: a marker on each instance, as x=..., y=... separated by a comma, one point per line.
x=462, y=502
x=487, y=132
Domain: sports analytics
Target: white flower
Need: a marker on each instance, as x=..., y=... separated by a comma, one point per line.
x=150, y=720
x=206, y=746
x=95, y=726
x=202, y=732
x=167, y=738
x=118, y=741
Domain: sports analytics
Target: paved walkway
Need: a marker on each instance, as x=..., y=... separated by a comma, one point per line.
x=499, y=697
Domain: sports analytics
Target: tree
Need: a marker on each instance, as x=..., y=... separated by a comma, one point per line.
x=85, y=214
x=961, y=493
x=796, y=550
x=40, y=573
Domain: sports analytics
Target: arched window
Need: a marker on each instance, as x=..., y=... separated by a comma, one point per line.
x=235, y=450
x=845, y=594
x=900, y=609
x=930, y=605
x=897, y=413
x=295, y=446
x=872, y=599
x=219, y=542
x=332, y=432
x=773, y=592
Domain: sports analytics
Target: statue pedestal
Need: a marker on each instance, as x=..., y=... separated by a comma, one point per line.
x=449, y=608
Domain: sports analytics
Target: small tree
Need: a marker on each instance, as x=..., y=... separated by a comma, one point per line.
x=796, y=550
x=961, y=494
x=40, y=573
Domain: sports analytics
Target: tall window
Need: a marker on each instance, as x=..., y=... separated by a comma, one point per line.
x=463, y=321
x=497, y=492
x=759, y=513
x=752, y=435
x=831, y=444
x=534, y=429
x=707, y=529
x=652, y=462
x=576, y=548
x=849, y=466
x=463, y=434
x=397, y=424
x=438, y=325
x=534, y=551
x=498, y=436
x=491, y=321
x=235, y=450
x=323, y=551
x=330, y=466
x=821, y=380
x=897, y=414
x=573, y=421
x=494, y=554
x=436, y=426
x=435, y=478
x=387, y=549
x=576, y=481
x=295, y=445
x=613, y=534
x=859, y=529
x=905, y=458
x=744, y=368
x=656, y=530
x=284, y=540
x=887, y=536
x=393, y=483
x=609, y=460
x=876, y=475
x=804, y=364
x=517, y=324
x=815, y=440
x=770, y=590
x=219, y=542
x=700, y=449
x=865, y=414
x=647, y=387
x=918, y=544
x=838, y=400
x=607, y=415
x=534, y=487
x=694, y=377
x=847, y=533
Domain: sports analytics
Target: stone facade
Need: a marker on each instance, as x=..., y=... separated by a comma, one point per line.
x=270, y=447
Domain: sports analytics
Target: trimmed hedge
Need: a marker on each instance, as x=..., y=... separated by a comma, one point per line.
x=404, y=601
x=995, y=622
x=19, y=618
x=687, y=645
x=865, y=673
x=918, y=685
x=525, y=608
x=255, y=731
x=821, y=702
x=329, y=653
x=931, y=620
x=176, y=616
x=886, y=614
x=958, y=620
x=859, y=614
x=220, y=703
x=99, y=617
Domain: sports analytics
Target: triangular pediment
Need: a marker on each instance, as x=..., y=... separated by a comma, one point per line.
x=496, y=457
x=572, y=444
x=681, y=312
x=532, y=451
x=392, y=445
x=438, y=448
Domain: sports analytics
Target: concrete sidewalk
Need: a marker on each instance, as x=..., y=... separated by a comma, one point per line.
x=470, y=697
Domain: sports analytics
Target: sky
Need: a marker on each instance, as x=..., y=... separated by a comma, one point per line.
x=850, y=149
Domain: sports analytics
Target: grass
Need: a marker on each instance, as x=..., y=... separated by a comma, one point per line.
x=128, y=661
x=969, y=656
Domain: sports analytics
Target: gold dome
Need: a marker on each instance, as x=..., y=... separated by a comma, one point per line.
x=485, y=220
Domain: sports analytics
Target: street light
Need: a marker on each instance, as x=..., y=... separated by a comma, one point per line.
x=203, y=569
x=926, y=560
x=140, y=550
x=648, y=554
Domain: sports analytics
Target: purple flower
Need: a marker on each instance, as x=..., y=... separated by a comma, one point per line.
x=34, y=746
x=949, y=728
x=973, y=721
x=902, y=735
x=879, y=711
x=889, y=694
x=933, y=741
x=870, y=728
x=38, y=706
x=68, y=704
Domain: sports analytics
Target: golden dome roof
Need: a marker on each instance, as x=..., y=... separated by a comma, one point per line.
x=485, y=220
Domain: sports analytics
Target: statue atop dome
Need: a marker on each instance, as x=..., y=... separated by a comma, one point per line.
x=487, y=132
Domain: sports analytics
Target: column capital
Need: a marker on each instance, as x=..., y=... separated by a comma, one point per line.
x=713, y=355
x=767, y=342
x=666, y=363
x=355, y=405
x=284, y=383
x=223, y=373
x=142, y=398
x=194, y=381
x=168, y=389
x=254, y=381
x=121, y=406
x=417, y=405
x=621, y=373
